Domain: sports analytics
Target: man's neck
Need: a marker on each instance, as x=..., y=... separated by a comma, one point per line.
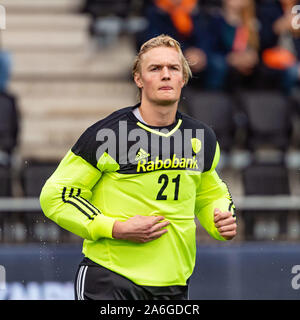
x=158, y=115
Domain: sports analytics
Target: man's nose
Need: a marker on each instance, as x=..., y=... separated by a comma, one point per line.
x=165, y=73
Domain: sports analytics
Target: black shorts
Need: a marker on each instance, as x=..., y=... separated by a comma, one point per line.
x=94, y=282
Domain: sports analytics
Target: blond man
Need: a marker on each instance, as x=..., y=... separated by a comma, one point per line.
x=133, y=184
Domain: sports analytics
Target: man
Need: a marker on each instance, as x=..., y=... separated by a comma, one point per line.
x=133, y=202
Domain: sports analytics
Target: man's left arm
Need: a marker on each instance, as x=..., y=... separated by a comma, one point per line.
x=214, y=207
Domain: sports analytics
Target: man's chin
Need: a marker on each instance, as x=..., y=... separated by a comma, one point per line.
x=166, y=102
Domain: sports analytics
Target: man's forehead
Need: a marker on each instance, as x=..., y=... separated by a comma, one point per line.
x=161, y=55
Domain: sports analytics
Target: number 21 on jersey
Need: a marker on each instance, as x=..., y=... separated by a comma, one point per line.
x=164, y=180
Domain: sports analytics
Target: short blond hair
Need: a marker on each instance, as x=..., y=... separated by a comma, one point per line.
x=162, y=41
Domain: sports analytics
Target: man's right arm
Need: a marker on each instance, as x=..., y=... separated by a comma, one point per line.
x=140, y=229
x=65, y=199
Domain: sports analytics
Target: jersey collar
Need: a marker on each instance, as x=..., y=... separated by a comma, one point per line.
x=156, y=129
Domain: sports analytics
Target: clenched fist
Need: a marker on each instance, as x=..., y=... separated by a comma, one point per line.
x=225, y=223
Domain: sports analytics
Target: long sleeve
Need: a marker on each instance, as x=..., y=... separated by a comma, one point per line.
x=211, y=194
x=65, y=199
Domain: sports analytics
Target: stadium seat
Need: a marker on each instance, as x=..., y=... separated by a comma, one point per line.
x=269, y=119
x=295, y=98
x=265, y=180
x=8, y=122
x=102, y=8
x=39, y=227
x=5, y=182
x=34, y=176
x=216, y=109
x=295, y=102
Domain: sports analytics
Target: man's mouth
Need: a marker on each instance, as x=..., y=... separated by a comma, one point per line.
x=166, y=88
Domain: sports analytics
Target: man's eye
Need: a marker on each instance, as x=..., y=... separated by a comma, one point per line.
x=154, y=68
x=175, y=68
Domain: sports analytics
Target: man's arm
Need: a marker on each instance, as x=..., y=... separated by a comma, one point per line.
x=214, y=207
x=65, y=199
x=140, y=229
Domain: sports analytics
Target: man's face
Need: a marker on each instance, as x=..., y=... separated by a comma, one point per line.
x=161, y=76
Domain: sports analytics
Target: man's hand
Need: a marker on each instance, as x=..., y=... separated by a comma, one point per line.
x=140, y=229
x=225, y=223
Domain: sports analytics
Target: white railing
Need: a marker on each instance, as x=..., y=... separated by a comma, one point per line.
x=241, y=203
x=19, y=204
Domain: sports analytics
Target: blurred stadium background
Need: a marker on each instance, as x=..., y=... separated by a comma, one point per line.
x=67, y=63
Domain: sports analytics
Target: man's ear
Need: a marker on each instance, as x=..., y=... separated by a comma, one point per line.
x=138, y=80
x=183, y=83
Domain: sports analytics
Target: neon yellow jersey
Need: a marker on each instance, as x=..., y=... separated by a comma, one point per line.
x=98, y=182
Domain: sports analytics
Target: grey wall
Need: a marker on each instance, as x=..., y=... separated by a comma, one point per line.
x=222, y=271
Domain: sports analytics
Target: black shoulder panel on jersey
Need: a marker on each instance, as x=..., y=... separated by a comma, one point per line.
x=210, y=141
x=87, y=145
